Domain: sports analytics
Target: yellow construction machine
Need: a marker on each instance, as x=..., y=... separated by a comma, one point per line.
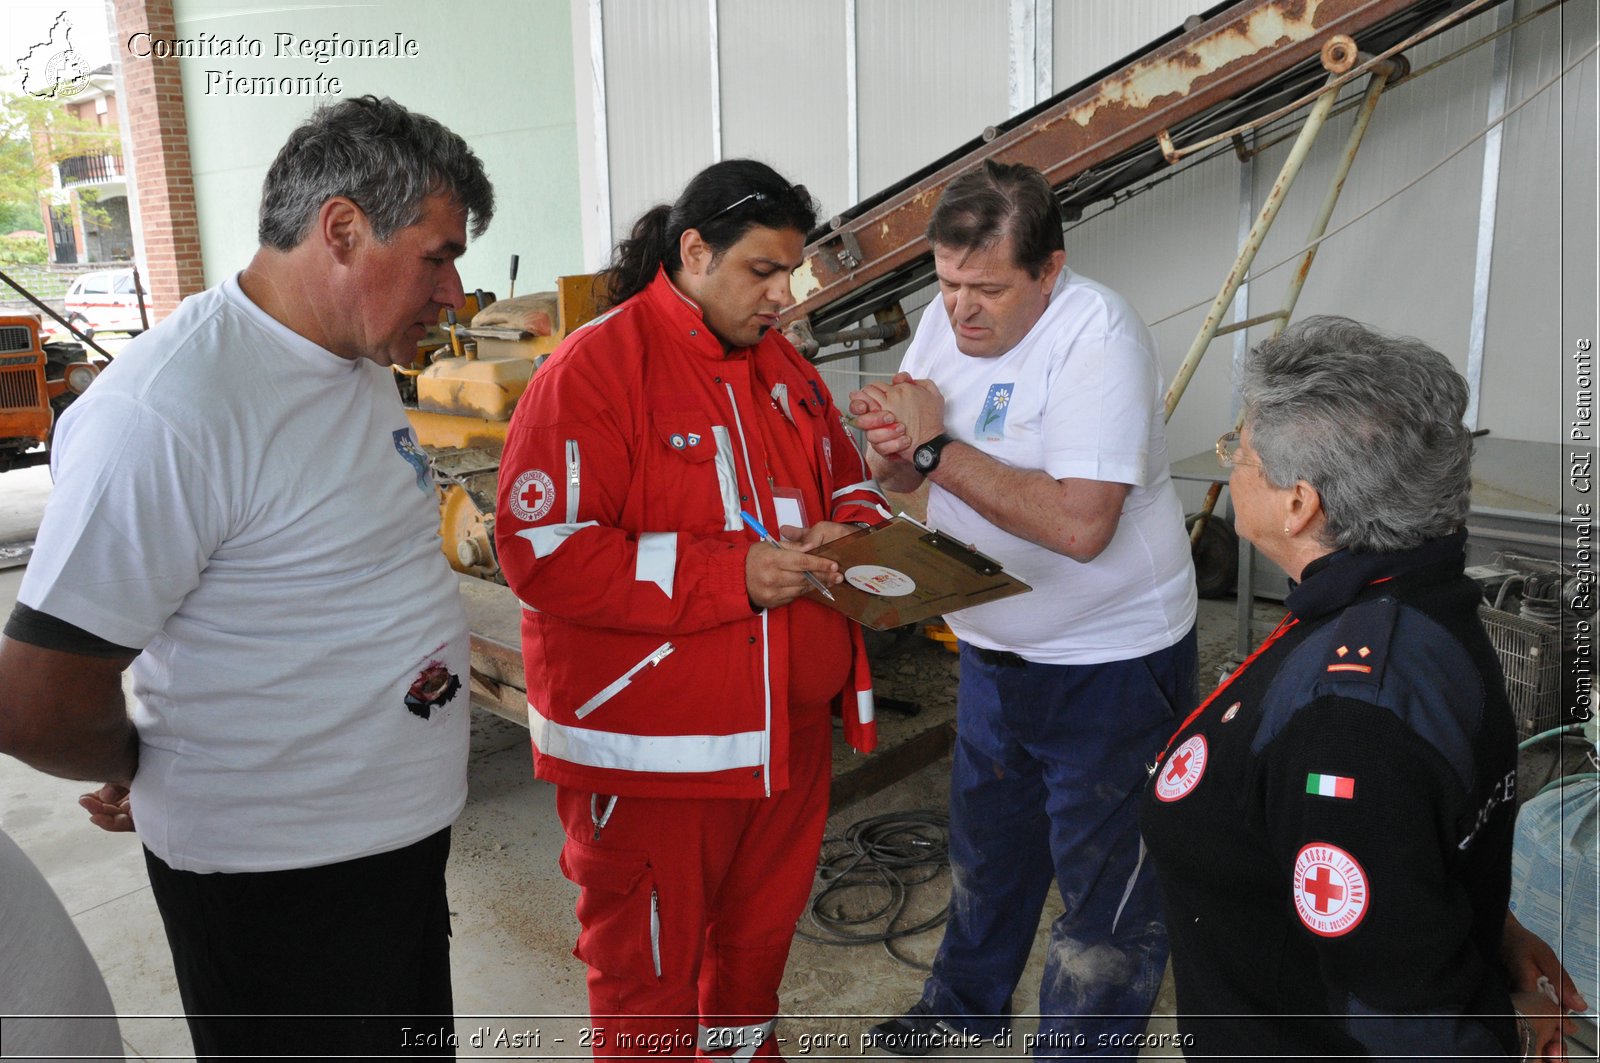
x=459, y=395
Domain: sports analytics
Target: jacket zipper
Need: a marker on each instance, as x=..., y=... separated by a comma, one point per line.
x=572, y=481
x=655, y=932
x=615, y=687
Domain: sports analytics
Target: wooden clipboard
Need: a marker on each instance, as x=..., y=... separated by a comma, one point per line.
x=902, y=572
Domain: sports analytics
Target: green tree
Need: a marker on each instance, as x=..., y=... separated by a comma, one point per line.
x=35, y=134
x=19, y=197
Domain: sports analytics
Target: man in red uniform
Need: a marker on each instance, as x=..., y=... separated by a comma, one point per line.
x=679, y=684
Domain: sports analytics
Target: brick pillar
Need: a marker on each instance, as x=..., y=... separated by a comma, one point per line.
x=158, y=135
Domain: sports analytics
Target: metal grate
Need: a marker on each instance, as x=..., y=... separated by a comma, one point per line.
x=14, y=338
x=19, y=389
x=1530, y=657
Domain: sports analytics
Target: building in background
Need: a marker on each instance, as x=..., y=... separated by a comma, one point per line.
x=1467, y=221
x=203, y=119
x=86, y=205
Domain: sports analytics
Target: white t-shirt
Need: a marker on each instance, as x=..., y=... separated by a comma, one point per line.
x=1080, y=396
x=252, y=511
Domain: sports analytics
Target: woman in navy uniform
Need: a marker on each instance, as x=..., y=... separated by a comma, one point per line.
x=1332, y=827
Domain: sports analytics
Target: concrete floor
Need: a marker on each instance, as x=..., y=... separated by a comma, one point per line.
x=515, y=978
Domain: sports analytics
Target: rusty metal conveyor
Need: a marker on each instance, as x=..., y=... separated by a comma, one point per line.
x=1238, y=63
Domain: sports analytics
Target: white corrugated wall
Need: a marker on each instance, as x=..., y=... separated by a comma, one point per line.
x=848, y=96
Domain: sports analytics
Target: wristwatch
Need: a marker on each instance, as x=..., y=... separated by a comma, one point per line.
x=925, y=458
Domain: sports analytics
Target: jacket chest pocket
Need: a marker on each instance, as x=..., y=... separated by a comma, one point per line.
x=704, y=465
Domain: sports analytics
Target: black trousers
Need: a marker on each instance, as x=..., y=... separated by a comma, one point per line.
x=347, y=959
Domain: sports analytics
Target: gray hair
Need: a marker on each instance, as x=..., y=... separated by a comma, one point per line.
x=1373, y=422
x=384, y=158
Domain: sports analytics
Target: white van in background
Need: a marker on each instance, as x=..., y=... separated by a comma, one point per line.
x=104, y=301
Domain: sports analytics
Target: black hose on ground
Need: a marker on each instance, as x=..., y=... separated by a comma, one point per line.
x=868, y=876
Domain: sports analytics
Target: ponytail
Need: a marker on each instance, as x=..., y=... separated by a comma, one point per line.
x=722, y=202
x=635, y=262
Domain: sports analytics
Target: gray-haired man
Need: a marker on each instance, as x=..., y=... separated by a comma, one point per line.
x=241, y=513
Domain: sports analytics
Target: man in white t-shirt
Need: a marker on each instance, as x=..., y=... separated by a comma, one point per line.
x=1030, y=400
x=241, y=514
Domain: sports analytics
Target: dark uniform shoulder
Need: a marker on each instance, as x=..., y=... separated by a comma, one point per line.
x=1392, y=656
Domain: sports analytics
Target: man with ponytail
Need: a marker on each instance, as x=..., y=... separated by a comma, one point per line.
x=679, y=680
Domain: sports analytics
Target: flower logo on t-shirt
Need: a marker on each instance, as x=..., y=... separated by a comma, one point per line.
x=992, y=418
x=405, y=444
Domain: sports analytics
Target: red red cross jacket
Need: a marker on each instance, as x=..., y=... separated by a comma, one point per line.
x=626, y=466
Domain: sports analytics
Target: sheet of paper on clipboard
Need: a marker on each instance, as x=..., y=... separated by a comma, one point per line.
x=903, y=571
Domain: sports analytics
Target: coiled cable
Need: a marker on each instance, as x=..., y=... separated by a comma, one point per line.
x=868, y=877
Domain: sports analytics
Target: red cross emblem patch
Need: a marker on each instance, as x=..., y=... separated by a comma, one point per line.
x=1181, y=773
x=532, y=495
x=1330, y=890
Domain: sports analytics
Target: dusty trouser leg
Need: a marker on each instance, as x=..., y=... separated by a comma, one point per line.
x=1108, y=950
x=762, y=895
x=999, y=859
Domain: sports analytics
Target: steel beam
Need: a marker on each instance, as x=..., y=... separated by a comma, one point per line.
x=1238, y=50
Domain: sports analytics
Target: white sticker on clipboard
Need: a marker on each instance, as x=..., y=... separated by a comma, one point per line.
x=876, y=579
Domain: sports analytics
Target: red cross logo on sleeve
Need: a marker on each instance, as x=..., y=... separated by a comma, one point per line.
x=532, y=495
x=1330, y=890
x=1183, y=770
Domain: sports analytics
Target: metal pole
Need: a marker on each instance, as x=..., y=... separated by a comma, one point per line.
x=1245, y=585
x=138, y=295
x=1488, y=206
x=1375, y=86
x=1258, y=233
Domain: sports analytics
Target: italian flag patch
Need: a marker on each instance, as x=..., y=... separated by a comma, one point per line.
x=1330, y=785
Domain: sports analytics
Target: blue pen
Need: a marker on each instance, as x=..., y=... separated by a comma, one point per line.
x=766, y=536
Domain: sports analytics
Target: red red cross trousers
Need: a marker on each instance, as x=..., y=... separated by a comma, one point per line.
x=1330, y=890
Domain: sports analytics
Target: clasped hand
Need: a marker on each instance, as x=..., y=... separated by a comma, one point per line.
x=897, y=416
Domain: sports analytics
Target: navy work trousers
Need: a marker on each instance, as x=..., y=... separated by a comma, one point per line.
x=1048, y=767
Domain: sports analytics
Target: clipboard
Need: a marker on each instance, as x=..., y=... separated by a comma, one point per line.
x=902, y=572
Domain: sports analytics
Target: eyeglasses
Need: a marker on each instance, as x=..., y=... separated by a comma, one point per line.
x=757, y=196
x=1228, y=451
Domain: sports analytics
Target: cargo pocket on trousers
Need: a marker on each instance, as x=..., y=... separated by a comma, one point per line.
x=620, y=928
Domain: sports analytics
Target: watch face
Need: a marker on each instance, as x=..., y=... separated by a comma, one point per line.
x=924, y=456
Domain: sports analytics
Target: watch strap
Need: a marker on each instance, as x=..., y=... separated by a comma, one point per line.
x=936, y=445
